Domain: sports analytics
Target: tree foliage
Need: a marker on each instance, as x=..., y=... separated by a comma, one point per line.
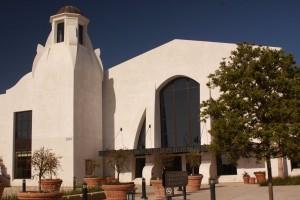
x=118, y=160
x=258, y=110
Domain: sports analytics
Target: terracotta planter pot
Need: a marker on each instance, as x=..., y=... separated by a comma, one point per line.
x=260, y=177
x=117, y=191
x=158, y=189
x=246, y=179
x=194, y=183
x=39, y=196
x=110, y=180
x=51, y=185
x=93, y=182
x=252, y=180
x=1, y=189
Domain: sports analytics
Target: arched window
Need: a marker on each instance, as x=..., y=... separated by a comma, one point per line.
x=179, y=113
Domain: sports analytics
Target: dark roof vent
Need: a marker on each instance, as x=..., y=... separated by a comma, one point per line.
x=69, y=9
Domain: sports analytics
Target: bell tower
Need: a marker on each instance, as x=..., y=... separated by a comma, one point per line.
x=68, y=75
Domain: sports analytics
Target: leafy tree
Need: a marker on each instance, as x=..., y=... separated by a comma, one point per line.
x=44, y=162
x=258, y=110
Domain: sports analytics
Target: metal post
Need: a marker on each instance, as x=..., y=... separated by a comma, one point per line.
x=184, y=192
x=212, y=184
x=24, y=185
x=84, y=191
x=144, y=194
x=74, y=183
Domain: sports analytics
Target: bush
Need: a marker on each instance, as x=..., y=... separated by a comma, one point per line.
x=290, y=180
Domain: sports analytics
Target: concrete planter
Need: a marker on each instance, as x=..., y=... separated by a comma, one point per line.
x=117, y=191
x=158, y=189
x=93, y=182
x=194, y=183
x=260, y=177
x=39, y=195
x=51, y=185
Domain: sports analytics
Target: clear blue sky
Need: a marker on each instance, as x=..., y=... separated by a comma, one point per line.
x=125, y=28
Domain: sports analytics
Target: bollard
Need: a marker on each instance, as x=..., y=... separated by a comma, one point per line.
x=74, y=183
x=84, y=191
x=212, y=184
x=184, y=192
x=24, y=185
x=144, y=195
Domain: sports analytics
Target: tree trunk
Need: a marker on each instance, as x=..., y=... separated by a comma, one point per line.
x=270, y=182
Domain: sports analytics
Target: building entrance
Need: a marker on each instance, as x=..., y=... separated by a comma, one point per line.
x=173, y=163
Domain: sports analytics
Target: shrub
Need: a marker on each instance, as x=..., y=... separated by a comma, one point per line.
x=291, y=180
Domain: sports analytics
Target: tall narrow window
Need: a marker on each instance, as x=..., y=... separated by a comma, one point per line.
x=80, y=34
x=22, y=144
x=60, y=32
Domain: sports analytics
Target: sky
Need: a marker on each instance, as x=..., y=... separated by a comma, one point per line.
x=123, y=29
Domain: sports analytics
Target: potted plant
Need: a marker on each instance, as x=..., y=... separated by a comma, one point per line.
x=160, y=161
x=1, y=184
x=260, y=176
x=194, y=180
x=118, y=161
x=51, y=184
x=246, y=178
x=92, y=180
x=41, y=164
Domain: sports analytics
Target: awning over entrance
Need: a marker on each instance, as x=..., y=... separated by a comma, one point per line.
x=169, y=150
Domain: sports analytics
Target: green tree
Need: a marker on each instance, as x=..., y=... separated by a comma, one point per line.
x=258, y=110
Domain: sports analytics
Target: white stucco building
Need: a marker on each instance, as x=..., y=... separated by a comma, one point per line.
x=149, y=103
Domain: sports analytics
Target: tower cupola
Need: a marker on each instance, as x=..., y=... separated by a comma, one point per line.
x=69, y=27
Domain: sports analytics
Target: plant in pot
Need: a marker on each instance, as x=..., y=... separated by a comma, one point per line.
x=160, y=160
x=260, y=176
x=194, y=180
x=91, y=179
x=118, y=161
x=41, y=164
x=246, y=178
x=52, y=184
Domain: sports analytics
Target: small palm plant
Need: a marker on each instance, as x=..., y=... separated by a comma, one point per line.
x=194, y=160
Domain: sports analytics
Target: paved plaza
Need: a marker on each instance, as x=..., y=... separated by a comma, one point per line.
x=226, y=191
x=238, y=191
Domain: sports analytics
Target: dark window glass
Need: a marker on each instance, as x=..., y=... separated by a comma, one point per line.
x=142, y=137
x=173, y=163
x=139, y=166
x=80, y=34
x=295, y=164
x=60, y=32
x=224, y=167
x=22, y=144
x=179, y=113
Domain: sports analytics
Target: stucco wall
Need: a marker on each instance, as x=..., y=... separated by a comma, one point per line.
x=132, y=87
